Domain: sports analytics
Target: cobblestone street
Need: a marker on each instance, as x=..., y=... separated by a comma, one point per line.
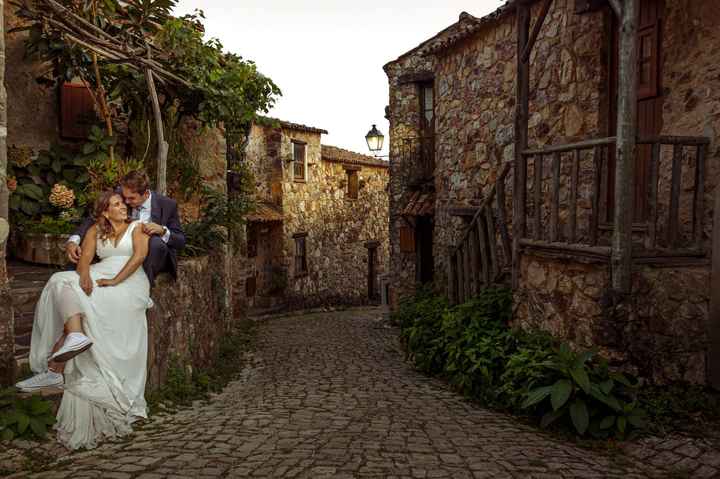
x=328, y=395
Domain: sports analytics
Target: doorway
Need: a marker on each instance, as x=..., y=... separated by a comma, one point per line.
x=425, y=263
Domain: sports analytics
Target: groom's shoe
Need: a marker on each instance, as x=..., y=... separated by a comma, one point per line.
x=49, y=379
x=75, y=343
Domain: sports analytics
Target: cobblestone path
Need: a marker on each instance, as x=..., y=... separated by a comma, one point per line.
x=328, y=395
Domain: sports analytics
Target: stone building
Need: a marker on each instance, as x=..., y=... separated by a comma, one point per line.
x=319, y=233
x=455, y=112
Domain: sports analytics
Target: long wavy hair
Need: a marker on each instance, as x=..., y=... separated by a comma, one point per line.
x=105, y=228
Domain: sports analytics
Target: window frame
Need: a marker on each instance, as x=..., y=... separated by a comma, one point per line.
x=300, y=267
x=296, y=178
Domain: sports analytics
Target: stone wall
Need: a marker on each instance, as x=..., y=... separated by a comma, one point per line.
x=7, y=325
x=32, y=108
x=190, y=316
x=660, y=333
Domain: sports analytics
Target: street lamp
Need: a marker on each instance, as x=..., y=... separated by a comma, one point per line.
x=374, y=139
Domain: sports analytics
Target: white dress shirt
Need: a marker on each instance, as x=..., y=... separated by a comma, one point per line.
x=141, y=213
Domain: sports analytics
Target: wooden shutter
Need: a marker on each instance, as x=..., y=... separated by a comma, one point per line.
x=301, y=253
x=250, y=286
x=252, y=240
x=77, y=112
x=407, y=239
x=648, y=49
x=353, y=184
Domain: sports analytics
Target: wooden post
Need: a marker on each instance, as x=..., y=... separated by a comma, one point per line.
x=625, y=149
x=452, y=277
x=4, y=193
x=574, y=196
x=522, y=17
x=652, y=197
x=713, y=353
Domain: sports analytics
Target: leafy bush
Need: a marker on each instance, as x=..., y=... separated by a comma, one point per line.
x=589, y=394
x=49, y=225
x=24, y=418
x=522, y=372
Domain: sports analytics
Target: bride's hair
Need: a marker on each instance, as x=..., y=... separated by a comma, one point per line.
x=105, y=229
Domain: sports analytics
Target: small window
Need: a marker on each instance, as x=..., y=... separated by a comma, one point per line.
x=353, y=184
x=301, y=267
x=299, y=161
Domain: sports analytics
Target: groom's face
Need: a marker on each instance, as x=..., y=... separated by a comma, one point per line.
x=133, y=198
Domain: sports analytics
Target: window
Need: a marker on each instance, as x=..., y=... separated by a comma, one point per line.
x=427, y=109
x=299, y=161
x=353, y=184
x=77, y=111
x=301, y=267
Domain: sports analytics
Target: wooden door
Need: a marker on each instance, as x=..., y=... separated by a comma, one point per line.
x=372, y=272
x=425, y=264
x=649, y=106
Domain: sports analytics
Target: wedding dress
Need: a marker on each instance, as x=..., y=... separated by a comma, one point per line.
x=105, y=385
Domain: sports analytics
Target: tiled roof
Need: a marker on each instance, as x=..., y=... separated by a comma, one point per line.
x=468, y=26
x=340, y=155
x=420, y=204
x=265, y=212
x=266, y=120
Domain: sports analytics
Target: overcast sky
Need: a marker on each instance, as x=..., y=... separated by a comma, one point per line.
x=327, y=55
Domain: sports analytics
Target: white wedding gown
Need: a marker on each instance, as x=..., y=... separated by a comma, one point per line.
x=105, y=385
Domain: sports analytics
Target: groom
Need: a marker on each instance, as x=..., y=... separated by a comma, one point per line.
x=159, y=216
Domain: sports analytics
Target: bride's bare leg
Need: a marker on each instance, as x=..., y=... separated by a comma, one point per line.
x=53, y=365
x=74, y=324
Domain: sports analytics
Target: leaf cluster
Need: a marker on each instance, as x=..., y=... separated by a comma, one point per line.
x=24, y=418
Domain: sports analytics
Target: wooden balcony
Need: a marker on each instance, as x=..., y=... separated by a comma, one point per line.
x=568, y=210
x=418, y=158
x=570, y=196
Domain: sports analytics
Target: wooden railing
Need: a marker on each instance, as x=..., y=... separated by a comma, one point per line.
x=577, y=169
x=418, y=156
x=483, y=256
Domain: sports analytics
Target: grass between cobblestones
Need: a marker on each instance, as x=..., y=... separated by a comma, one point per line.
x=184, y=384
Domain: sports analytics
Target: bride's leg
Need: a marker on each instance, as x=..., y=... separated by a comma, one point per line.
x=53, y=365
x=75, y=340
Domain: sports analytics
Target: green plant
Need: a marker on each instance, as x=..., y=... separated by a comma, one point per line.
x=24, y=417
x=49, y=225
x=595, y=399
x=220, y=216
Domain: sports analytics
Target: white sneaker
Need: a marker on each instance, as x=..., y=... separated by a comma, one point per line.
x=49, y=379
x=75, y=343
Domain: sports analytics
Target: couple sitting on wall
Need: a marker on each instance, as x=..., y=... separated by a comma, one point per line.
x=90, y=324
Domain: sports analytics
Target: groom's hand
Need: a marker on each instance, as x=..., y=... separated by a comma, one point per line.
x=153, y=229
x=73, y=251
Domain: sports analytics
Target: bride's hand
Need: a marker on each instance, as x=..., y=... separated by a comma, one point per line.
x=102, y=283
x=86, y=284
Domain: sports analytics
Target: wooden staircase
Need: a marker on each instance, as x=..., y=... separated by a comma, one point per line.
x=483, y=256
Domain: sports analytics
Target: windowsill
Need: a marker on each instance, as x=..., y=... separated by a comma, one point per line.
x=299, y=180
x=302, y=275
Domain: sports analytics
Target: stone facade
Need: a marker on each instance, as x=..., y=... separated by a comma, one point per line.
x=472, y=66
x=337, y=229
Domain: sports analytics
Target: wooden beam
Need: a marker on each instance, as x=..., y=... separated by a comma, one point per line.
x=555, y=199
x=699, y=199
x=572, y=235
x=522, y=16
x=651, y=238
x=625, y=150
x=674, y=209
x=536, y=31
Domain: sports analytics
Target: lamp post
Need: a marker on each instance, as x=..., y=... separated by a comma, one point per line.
x=374, y=140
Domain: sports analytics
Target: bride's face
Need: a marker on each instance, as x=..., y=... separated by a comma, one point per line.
x=117, y=209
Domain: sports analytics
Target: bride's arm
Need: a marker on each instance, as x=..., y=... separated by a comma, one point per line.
x=140, y=252
x=87, y=254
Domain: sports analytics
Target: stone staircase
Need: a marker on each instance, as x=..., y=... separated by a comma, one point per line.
x=26, y=284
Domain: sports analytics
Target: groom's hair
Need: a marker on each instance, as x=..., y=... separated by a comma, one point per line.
x=137, y=181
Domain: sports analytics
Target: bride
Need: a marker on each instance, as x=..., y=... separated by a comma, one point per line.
x=98, y=311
